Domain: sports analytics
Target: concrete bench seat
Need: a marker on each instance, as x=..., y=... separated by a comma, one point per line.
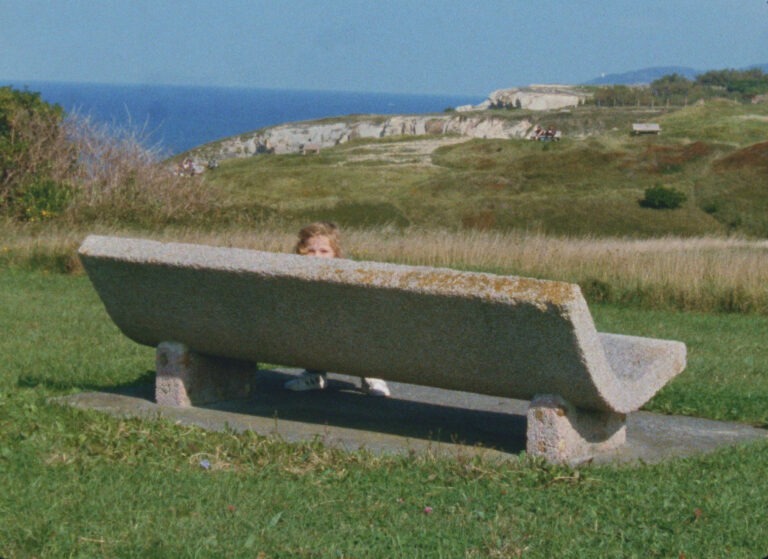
x=213, y=312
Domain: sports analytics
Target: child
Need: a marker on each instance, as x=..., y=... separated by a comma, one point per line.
x=321, y=240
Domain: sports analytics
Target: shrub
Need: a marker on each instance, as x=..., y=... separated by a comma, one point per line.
x=43, y=199
x=118, y=178
x=35, y=157
x=596, y=290
x=662, y=198
x=55, y=164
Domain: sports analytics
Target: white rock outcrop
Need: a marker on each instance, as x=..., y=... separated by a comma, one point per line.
x=291, y=138
x=533, y=98
x=296, y=137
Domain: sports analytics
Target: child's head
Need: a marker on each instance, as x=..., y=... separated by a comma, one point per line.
x=319, y=239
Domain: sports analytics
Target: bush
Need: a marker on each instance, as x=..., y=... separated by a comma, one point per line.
x=55, y=164
x=662, y=198
x=43, y=199
x=119, y=179
x=596, y=291
x=35, y=156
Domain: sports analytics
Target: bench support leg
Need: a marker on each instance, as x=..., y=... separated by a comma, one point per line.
x=562, y=433
x=185, y=378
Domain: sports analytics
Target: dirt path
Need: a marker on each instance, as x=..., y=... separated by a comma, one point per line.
x=402, y=152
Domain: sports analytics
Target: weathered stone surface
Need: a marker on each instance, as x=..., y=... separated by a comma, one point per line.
x=559, y=432
x=533, y=98
x=185, y=378
x=498, y=335
x=289, y=138
x=434, y=126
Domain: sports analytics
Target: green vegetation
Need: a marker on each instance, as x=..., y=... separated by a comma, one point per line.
x=575, y=187
x=674, y=89
x=592, y=185
x=35, y=158
x=80, y=483
x=588, y=184
x=66, y=168
x=662, y=198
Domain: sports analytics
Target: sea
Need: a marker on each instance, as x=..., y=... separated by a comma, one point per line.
x=173, y=119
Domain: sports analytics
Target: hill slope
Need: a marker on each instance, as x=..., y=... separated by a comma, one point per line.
x=590, y=183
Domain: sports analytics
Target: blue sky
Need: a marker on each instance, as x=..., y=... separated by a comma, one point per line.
x=416, y=46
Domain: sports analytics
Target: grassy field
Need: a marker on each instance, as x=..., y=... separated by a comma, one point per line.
x=584, y=185
x=82, y=484
x=710, y=274
x=79, y=483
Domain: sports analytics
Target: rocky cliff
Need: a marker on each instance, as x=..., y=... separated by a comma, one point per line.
x=533, y=97
x=316, y=135
x=312, y=136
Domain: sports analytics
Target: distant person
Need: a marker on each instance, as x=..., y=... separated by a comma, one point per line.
x=321, y=240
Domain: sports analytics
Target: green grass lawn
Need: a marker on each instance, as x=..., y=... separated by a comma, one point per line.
x=82, y=484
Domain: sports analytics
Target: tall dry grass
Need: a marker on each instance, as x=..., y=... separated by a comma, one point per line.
x=121, y=177
x=712, y=274
x=705, y=274
x=722, y=274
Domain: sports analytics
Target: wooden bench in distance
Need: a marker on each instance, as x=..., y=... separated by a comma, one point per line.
x=210, y=311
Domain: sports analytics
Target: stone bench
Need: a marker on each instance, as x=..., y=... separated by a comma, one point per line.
x=213, y=313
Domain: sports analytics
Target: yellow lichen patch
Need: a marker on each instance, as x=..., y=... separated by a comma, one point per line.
x=468, y=284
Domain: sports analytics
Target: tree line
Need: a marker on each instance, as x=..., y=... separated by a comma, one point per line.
x=675, y=89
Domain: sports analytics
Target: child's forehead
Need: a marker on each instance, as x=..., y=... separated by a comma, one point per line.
x=320, y=237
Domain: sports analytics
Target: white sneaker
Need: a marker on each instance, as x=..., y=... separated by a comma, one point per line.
x=374, y=387
x=307, y=381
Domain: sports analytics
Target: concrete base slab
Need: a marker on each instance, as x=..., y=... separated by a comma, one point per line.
x=415, y=419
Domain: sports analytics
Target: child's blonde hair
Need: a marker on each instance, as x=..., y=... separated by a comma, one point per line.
x=317, y=229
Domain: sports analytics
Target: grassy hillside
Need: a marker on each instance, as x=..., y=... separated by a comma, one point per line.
x=584, y=185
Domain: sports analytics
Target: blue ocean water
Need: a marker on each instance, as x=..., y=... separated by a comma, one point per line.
x=178, y=118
